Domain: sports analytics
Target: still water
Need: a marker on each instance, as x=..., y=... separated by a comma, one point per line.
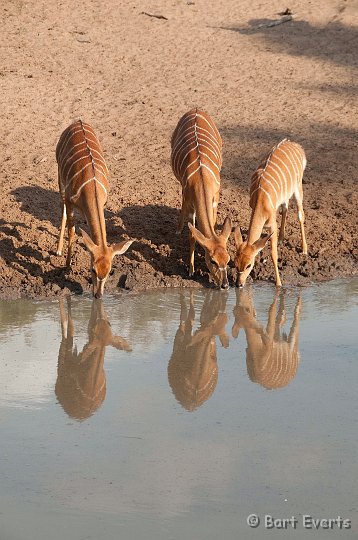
x=177, y=414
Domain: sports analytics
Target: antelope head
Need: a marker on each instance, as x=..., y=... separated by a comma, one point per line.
x=216, y=255
x=245, y=255
x=101, y=261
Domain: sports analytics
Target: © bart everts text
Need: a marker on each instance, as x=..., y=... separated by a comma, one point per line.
x=306, y=521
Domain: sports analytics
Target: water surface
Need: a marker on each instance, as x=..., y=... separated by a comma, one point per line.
x=176, y=414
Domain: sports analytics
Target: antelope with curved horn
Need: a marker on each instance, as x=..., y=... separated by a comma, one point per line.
x=82, y=178
x=275, y=181
x=196, y=161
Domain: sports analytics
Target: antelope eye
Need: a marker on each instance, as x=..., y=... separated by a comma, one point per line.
x=213, y=262
x=248, y=266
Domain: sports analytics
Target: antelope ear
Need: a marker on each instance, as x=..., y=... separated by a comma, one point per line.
x=227, y=228
x=198, y=236
x=120, y=343
x=261, y=242
x=119, y=249
x=235, y=330
x=237, y=236
x=90, y=245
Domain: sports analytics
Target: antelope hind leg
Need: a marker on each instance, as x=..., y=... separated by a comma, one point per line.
x=62, y=230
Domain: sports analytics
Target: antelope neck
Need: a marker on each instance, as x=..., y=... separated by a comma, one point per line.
x=97, y=225
x=204, y=210
x=257, y=222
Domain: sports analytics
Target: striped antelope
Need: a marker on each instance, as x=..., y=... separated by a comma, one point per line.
x=81, y=379
x=82, y=178
x=272, y=358
x=193, y=368
x=275, y=181
x=196, y=161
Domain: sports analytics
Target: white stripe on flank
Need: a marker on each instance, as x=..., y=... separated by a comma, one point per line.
x=191, y=146
x=292, y=161
x=74, y=163
x=68, y=182
x=277, y=167
x=191, y=132
x=181, y=136
x=213, y=162
x=214, y=175
x=200, y=141
x=190, y=165
x=181, y=144
x=270, y=184
x=69, y=160
x=300, y=159
x=66, y=139
x=274, y=179
x=263, y=189
x=102, y=185
x=71, y=150
x=289, y=172
x=204, y=143
x=77, y=194
x=185, y=120
x=184, y=158
x=211, y=137
x=268, y=195
x=191, y=174
x=213, y=127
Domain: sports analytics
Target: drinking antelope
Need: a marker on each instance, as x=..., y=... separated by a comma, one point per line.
x=82, y=178
x=272, y=358
x=275, y=181
x=193, y=369
x=196, y=161
x=81, y=380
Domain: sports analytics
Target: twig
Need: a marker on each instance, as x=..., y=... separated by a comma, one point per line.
x=284, y=19
x=153, y=15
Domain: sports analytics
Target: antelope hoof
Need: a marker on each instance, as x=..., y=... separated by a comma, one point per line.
x=59, y=253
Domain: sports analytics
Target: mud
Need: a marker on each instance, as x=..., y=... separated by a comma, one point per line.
x=132, y=76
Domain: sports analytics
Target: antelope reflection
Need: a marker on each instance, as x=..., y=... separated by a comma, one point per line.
x=81, y=380
x=272, y=358
x=193, y=369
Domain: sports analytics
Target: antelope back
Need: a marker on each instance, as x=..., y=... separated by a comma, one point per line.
x=272, y=359
x=279, y=175
x=81, y=165
x=274, y=366
x=196, y=148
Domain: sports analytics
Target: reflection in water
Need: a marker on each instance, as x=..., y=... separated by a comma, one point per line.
x=192, y=369
x=272, y=358
x=81, y=380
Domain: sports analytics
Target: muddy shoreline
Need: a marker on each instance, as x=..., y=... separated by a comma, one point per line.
x=132, y=77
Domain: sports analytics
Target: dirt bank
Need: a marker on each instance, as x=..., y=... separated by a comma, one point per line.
x=132, y=76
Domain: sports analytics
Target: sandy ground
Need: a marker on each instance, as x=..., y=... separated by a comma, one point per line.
x=132, y=76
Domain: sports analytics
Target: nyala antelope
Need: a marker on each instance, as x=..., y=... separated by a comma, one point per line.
x=275, y=181
x=272, y=358
x=193, y=368
x=196, y=161
x=81, y=380
x=82, y=178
